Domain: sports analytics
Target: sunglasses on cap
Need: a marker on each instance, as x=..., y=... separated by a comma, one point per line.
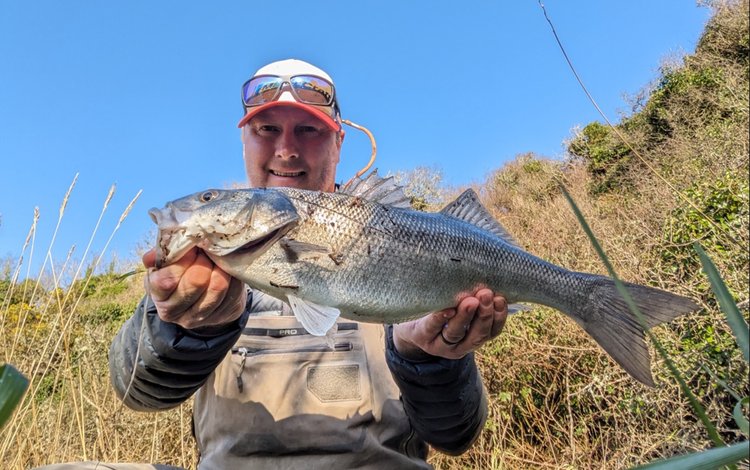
x=307, y=89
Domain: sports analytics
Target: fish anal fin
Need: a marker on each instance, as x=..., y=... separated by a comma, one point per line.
x=468, y=208
x=317, y=319
x=518, y=308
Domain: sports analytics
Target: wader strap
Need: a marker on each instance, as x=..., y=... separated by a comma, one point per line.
x=282, y=332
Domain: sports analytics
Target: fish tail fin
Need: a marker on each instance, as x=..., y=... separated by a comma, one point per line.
x=610, y=322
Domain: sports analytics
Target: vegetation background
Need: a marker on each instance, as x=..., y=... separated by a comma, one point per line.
x=556, y=399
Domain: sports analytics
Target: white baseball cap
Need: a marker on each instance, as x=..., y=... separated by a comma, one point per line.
x=292, y=82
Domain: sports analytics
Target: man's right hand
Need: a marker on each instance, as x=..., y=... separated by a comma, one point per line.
x=193, y=292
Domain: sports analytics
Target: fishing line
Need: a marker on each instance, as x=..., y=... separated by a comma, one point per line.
x=627, y=143
x=372, y=155
x=137, y=356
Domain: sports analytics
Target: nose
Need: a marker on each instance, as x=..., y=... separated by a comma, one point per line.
x=287, y=146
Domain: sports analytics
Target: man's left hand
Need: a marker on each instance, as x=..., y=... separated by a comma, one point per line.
x=453, y=333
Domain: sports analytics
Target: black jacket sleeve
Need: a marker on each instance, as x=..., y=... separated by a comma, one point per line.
x=156, y=365
x=444, y=398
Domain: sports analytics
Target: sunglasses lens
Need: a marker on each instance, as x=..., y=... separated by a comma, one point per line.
x=261, y=90
x=312, y=90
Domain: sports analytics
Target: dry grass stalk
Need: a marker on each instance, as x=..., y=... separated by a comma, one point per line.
x=58, y=361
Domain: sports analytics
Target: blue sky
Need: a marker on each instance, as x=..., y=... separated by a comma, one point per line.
x=146, y=94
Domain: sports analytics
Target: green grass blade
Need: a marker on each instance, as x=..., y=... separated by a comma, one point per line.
x=12, y=387
x=704, y=460
x=694, y=403
x=727, y=303
x=739, y=416
x=723, y=384
x=129, y=273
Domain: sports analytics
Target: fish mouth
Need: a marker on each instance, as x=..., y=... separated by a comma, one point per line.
x=171, y=241
x=158, y=215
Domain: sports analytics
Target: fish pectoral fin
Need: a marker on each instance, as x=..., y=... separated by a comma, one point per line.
x=297, y=250
x=518, y=308
x=317, y=319
x=331, y=336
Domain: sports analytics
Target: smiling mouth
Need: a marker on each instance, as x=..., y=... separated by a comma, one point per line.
x=287, y=174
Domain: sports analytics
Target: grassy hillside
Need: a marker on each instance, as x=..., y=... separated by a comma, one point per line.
x=557, y=401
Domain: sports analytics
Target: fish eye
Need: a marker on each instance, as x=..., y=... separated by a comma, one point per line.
x=208, y=195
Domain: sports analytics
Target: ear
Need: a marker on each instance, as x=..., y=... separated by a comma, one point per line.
x=339, y=139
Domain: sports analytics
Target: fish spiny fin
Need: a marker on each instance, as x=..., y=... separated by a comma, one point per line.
x=317, y=319
x=468, y=208
x=358, y=186
x=378, y=189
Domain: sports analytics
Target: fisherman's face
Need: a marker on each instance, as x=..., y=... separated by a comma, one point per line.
x=287, y=146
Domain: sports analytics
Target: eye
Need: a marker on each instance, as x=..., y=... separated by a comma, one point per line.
x=208, y=195
x=267, y=129
x=307, y=130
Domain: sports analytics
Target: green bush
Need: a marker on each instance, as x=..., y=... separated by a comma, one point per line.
x=723, y=203
x=607, y=158
x=110, y=312
x=100, y=285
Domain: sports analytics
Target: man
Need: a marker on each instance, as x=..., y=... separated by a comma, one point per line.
x=268, y=395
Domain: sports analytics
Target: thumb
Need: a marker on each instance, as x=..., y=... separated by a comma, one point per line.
x=149, y=258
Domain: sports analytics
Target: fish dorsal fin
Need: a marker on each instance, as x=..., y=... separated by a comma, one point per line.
x=317, y=319
x=468, y=208
x=378, y=189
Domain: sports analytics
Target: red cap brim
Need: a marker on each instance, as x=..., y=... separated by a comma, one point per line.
x=333, y=125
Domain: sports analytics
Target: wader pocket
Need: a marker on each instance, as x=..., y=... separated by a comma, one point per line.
x=278, y=365
x=282, y=394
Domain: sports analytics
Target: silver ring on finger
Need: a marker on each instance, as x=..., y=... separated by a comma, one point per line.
x=449, y=343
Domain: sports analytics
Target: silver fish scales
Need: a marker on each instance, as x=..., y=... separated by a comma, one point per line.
x=365, y=255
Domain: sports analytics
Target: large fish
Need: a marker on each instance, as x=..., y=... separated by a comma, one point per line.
x=366, y=255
